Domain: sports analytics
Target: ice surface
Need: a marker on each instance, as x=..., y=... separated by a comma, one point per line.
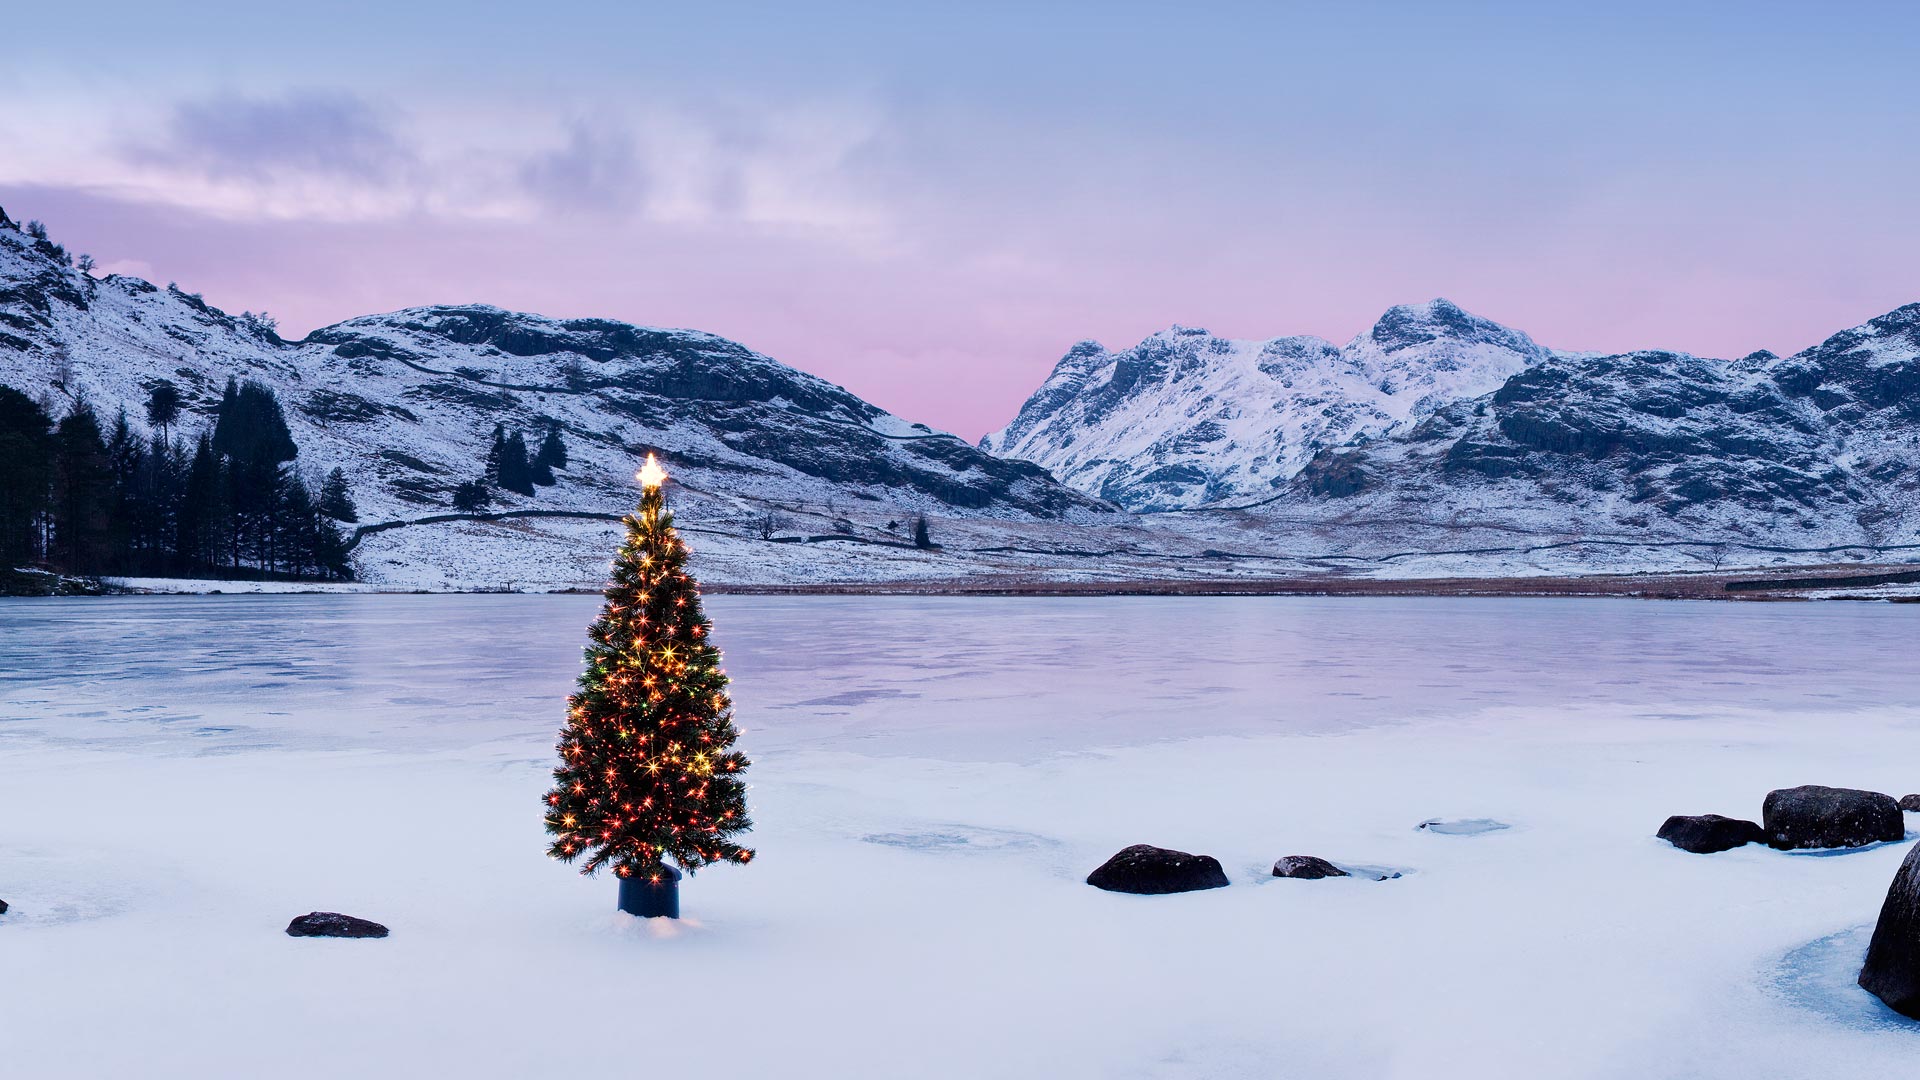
x=933, y=780
x=1464, y=826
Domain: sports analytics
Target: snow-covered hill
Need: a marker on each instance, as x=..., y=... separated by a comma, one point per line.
x=1819, y=448
x=1186, y=418
x=406, y=403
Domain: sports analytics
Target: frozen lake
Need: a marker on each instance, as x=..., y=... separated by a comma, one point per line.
x=933, y=779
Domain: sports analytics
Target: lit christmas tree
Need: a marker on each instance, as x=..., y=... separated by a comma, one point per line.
x=647, y=769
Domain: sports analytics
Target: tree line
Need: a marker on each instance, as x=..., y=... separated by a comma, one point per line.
x=81, y=496
x=512, y=467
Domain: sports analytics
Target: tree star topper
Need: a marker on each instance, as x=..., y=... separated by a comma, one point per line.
x=651, y=475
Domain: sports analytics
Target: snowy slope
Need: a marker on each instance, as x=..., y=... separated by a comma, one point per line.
x=1820, y=448
x=406, y=403
x=1186, y=418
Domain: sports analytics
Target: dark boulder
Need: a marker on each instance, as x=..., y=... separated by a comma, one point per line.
x=1704, y=834
x=1823, y=817
x=1307, y=867
x=1910, y=803
x=1144, y=868
x=333, y=924
x=3, y=907
x=1892, y=970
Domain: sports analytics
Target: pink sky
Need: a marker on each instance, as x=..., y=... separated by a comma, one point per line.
x=929, y=208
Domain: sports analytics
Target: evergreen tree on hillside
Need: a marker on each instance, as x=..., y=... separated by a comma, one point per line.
x=471, y=496
x=516, y=472
x=200, y=528
x=250, y=426
x=83, y=494
x=336, y=499
x=26, y=476
x=153, y=507
x=540, y=473
x=496, y=451
x=163, y=406
x=251, y=438
x=553, y=450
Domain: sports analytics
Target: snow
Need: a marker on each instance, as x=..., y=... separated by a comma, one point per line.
x=933, y=779
x=1186, y=418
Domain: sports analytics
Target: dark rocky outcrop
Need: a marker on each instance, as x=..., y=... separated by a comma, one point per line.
x=1704, y=834
x=334, y=924
x=1892, y=968
x=1306, y=867
x=1910, y=803
x=3, y=907
x=1813, y=816
x=1150, y=870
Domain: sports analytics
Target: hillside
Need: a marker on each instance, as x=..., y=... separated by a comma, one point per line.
x=406, y=403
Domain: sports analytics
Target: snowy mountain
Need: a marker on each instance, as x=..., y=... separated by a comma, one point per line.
x=1819, y=448
x=406, y=403
x=1186, y=419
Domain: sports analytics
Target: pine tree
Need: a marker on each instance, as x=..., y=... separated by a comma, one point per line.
x=921, y=537
x=471, y=496
x=553, y=450
x=202, y=522
x=495, y=453
x=539, y=473
x=26, y=476
x=163, y=406
x=336, y=499
x=516, y=473
x=83, y=494
x=647, y=766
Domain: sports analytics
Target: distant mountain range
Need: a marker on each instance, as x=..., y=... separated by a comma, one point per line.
x=1436, y=439
x=406, y=402
x=1440, y=419
x=1187, y=419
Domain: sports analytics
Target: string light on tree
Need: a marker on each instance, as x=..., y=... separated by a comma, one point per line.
x=648, y=778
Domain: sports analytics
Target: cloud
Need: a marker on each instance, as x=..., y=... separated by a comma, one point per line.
x=597, y=170
x=311, y=134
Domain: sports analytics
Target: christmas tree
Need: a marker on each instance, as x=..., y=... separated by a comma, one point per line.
x=647, y=766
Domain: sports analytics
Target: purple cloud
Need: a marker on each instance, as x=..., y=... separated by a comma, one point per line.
x=596, y=170
x=312, y=133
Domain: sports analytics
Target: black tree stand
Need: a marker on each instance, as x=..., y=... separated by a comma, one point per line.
x=650, y=899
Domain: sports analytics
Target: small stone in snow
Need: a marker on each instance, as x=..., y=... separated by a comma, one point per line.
x=3, y=907
x=1910, y=803
x=1704, y=834
x=334, y=924
x=1144, y=868
x=1306, y=868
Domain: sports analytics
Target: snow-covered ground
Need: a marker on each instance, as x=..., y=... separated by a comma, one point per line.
x=933, y=779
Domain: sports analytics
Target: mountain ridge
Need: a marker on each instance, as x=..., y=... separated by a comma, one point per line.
x=405, y=400
x=1186, y=418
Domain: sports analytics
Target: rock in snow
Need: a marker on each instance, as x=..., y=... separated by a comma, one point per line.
x=3, y=907
x=1306, y=867
x=1704, y=834
x=1910, y=803
x=1892, y=969
x=333, y=924
x=1144, y=868
x=1813, y=816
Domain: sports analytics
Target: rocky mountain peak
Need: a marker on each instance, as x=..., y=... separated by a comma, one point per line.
x=1186, y=418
